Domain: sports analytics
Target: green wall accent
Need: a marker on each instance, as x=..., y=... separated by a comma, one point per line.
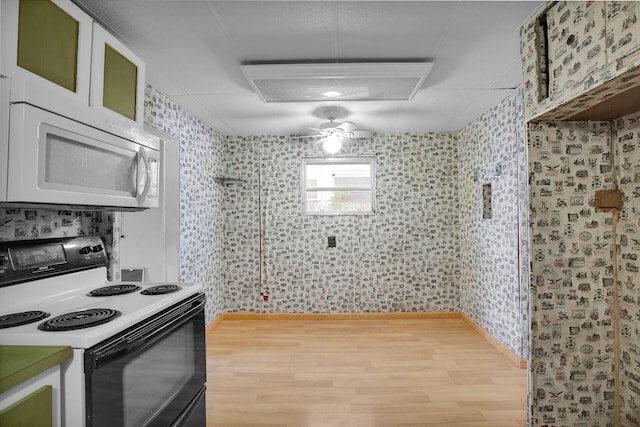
x=48, y=42
x=35, y=409
x=120, y=83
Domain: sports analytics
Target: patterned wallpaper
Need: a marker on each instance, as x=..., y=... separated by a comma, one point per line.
x=585, y=273
x=626, y=142
x=403, y=258
x=201, y=214
x=494, y=252
x=572, y=332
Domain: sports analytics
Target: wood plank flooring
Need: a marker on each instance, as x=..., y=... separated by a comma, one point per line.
x=352, y=373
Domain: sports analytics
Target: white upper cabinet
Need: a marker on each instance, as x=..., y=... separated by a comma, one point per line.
x=52, y=48
x=117, y=79
x=46, y=49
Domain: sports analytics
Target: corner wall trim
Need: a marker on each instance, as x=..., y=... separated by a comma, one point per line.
x=215, y=322
x=342, y=316
x=517, y=360
x=520, y=362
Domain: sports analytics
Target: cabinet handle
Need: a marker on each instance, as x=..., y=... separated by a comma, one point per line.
x=142, y=195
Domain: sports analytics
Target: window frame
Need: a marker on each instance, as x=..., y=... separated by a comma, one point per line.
x=362, y=160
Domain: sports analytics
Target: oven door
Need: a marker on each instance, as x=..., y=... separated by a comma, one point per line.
x=152, y=374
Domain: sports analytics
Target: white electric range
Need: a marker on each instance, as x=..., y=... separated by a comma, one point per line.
x=126, y=337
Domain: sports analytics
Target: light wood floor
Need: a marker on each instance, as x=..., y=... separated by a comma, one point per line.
x=415, y=372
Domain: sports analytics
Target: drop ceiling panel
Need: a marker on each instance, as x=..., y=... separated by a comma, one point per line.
x=246, y=114
x=176, y=37
x=511, y=77
x=194, y=106
x=264, y=31
x=477, y=107
x=469, y=56
x=434, y=109
x=407, y=30
x=194, y=50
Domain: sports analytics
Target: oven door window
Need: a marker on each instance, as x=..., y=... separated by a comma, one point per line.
x=148, y=384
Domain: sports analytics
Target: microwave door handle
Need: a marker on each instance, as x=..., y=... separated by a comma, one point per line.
x=142, y=153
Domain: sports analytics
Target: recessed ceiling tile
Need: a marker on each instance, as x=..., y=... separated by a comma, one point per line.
x=201, y=111
x=407, y=30
x=481, y=43
x=267, y=31
x=475, y=109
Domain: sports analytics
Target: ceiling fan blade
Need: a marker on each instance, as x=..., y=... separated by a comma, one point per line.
x=360, y=134
x=309, y=136
x=346, y=126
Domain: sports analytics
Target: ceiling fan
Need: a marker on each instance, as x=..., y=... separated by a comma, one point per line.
x=333, y=133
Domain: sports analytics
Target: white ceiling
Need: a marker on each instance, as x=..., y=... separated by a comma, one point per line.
x=194, y=49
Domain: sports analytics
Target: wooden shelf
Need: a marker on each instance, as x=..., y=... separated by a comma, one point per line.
x=612, y=108
x=611, y=100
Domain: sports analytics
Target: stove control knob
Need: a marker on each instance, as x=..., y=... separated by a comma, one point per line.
x=97, y=248
x=3, y=260
x=85, y=250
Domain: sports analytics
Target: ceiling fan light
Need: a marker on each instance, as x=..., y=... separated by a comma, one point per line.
x=332, y=145
x=332, y=93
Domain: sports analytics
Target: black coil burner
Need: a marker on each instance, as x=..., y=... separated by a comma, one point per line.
x=109, y=291
x=161, y=290
x=79, y=319
x=19, y=319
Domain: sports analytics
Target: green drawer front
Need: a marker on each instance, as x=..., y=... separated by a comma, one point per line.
x=120, y=83
x=48, y=42
x=35, y=410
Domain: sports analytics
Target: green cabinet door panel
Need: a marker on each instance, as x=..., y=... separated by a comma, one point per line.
x=120, y=83
x=34, y=410
x=48, y=42
x=20, y=363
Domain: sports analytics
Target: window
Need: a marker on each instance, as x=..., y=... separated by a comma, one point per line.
x=338, y=185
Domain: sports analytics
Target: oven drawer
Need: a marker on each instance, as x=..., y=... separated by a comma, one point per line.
x=195, y=415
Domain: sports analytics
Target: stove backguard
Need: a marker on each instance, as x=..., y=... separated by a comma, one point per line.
x=27, y=260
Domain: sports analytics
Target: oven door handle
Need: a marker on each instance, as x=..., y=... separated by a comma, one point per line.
x=143, y=336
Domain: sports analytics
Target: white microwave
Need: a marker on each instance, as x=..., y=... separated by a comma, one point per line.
x=52, y=160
